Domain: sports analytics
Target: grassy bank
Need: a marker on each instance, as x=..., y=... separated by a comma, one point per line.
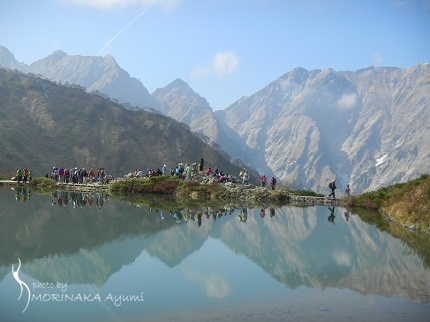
x=406, y=203
x=195, y=190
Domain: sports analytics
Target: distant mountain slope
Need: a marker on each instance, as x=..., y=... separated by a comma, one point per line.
x=367, y=128
x=7, y=59
x=95, y=73
x=43, y=125
x=179, y=101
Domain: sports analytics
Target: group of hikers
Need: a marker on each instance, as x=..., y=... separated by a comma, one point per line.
x=22, y=175
x=219, y=175
x=272, y=181
x=184, y=171
x=332, y=186
x=81, y=175
x=78, y=175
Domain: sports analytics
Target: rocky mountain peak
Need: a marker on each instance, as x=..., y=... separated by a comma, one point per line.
x=6, y=55
x=57, y=55
x=109, y=62
x=180, y=87
x=7, y=59
x=95, y=73
x=179, y=84
x=179, y=98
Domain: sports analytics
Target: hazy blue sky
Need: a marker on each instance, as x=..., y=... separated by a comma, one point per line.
x=224, y=49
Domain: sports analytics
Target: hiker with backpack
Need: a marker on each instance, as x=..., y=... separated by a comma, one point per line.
x=19, y=175
x=25, y=175
x=332, y=186
x=273, y=182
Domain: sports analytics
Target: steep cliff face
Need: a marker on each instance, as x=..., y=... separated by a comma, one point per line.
x=367, y=128
x=390, y=141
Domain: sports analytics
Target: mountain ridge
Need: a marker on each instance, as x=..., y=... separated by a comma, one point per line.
x=43, y=124
x=365, y=128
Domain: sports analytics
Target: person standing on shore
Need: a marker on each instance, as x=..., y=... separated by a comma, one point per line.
x=273, y=182
x=61, y=174
x=263, y=181
x=202, y=165
x=19, y=175
x=245, y=177
x=332, y=186
x=25, y=175
x=348, y=190
x=66, y=175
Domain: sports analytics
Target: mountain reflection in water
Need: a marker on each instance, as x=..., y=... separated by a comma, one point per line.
x=87, y=238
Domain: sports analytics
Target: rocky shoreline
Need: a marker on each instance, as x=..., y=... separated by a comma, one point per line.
x=253, y=194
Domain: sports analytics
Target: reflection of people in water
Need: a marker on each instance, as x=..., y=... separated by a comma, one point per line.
x=177, y=216
x=332, y=216
x=65, y=198
x=54, y=196
x=347, y=215
x=100, y=200
x=18, y=194
x=262, y=212
x=25, y=195
x=78, y=199
x=199, y=219
x=243, y=215
x=60, y=199
x=272, y=212
x=22, y=194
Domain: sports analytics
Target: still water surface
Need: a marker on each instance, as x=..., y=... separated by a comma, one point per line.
x=93, y=258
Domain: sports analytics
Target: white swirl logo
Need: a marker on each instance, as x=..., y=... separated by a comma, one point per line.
x=21, y=284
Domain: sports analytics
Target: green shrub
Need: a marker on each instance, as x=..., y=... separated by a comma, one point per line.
x=161, y=184
x=42, y=183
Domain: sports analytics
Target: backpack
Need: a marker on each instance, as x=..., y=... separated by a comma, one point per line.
x=330, y=185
